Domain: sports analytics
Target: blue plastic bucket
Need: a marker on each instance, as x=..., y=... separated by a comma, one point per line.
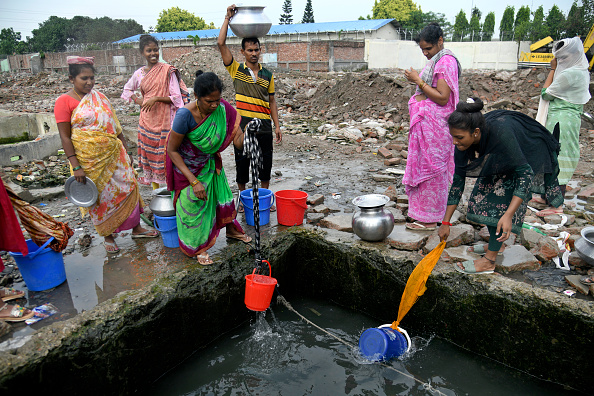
x=43, y=268
x=383, y=343
x=265, y=201
x=167, y=226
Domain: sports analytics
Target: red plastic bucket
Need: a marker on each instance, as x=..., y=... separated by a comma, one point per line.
x=290, y=207
x=259, y=289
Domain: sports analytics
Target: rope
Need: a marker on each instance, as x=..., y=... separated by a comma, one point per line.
x=251, y=149
x=426, y=386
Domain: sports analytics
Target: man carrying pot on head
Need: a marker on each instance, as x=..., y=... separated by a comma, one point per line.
x=254, y=98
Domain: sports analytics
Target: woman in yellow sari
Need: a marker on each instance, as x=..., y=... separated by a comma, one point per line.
x=93, y=142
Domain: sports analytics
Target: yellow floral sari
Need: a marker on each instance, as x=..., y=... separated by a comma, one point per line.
x=95, y=129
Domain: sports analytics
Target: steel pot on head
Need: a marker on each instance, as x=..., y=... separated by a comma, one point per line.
x=372, y=223
x=162, y=204
x=250, y=21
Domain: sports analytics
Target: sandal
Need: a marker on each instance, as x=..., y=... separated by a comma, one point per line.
x=204, y=259
x=587, y=280
x=245, y=238
x=416, y=226
x=114, y=248
x=9, y=293
x=16, y=313
x=469, y=268
x=481, y=249
x=146, y=234
x=240, y=208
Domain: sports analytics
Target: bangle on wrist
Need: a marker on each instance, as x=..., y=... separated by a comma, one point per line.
x=422, y=85
x=73, y=155
x=446, y=223
x=194, y=183
x=76, y=168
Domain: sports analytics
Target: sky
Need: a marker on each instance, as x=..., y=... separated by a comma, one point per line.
x=26, y=15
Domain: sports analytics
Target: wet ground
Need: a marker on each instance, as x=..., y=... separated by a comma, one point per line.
x=339, y=171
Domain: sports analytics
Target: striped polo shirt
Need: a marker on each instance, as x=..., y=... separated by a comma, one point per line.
x=252, y=99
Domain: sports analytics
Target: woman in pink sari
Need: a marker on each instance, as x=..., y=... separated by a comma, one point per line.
x=430, y=163
x=163, y=92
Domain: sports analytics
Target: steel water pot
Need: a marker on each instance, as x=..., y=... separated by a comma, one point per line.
x=372, y=222
x=162, y=204
x=250, y=21
x=585, y=245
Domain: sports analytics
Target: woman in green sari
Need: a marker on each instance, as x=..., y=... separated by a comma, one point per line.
x=202, y=198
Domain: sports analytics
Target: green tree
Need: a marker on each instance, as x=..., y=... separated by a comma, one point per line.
x=418, y=20
x=308, y=16
x=555, y=22
x=506, y=26
x=460, y=26
x=588, y=10
x=177, y=20
x=397, y=9
x=286, y=17
x=475, y=24
x=52, y=35
x=522, y=24
x=575, y=23
x=538, y=29
x=489, y=26
x=9, y=40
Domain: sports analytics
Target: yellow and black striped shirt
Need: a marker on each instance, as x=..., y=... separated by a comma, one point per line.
x=252, y=99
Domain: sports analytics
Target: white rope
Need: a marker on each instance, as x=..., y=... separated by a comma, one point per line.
x=426, y=386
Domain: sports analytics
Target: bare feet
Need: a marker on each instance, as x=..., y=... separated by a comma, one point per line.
x=420, y=226
x=110, y=245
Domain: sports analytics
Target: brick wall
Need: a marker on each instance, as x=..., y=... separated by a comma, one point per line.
x=291, y=55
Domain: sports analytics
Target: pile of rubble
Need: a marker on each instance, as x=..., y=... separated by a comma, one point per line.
x=40, y=173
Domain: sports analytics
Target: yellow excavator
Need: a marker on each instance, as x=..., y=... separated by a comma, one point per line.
x=540, y=52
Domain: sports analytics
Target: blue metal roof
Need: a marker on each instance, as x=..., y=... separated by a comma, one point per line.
x=364, y=24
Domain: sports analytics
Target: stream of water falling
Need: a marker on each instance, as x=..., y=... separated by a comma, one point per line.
x=280, y=354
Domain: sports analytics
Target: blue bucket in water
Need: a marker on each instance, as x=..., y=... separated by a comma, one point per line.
x=383, y=343
x=167, y=226
x=265, y=201
x=43, y=268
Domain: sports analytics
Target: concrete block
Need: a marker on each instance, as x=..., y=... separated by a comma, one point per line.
x=30, y=151
x=516, y=258
x=338, y=222
x=402, y=238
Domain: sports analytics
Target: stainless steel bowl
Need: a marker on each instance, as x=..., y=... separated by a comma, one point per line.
x=250, y=21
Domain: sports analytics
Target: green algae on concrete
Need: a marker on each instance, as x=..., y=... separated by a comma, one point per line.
x=125, y=343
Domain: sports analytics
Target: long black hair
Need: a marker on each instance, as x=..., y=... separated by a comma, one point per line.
x=430, y=34
x=468, y=116
x=206, y=83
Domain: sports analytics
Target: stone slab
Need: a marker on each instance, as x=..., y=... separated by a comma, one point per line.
x=340, y=222
x=574, y=280
x=460, y=253
x=44, y=194
x=383, y=178
x=320, y=209
x=459, y=235
x=398, y=216
x=315, y=199
x=516, y=258
x=402, y=238
x=314, y=217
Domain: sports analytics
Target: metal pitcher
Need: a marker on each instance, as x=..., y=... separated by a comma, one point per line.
x=162, y=204
x=250, y=21
x=372, y=223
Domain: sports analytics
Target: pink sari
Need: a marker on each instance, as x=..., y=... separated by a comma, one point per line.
x=430, y=163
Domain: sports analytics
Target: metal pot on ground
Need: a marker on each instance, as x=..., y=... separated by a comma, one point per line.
x=585, y=245
x=372, y=223
x=162, y=203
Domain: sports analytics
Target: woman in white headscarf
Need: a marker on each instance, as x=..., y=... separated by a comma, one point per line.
x=567, y=90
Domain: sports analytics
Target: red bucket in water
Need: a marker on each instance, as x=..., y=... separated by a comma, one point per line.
x=259, y=289
x=290, y=207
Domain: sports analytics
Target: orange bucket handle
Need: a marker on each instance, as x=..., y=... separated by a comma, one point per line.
x=269, y=268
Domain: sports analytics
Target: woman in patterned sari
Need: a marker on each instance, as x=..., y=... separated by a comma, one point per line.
x=163, y=93
x=202, y=198
x=510, y=155
x=93, y=142
x=430, y=162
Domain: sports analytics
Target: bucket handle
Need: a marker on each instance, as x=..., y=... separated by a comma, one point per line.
x=272, y=203
x=298, y=204
x=161, y=230
x=32, y=255
x=269, y=269
x=401, y=331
